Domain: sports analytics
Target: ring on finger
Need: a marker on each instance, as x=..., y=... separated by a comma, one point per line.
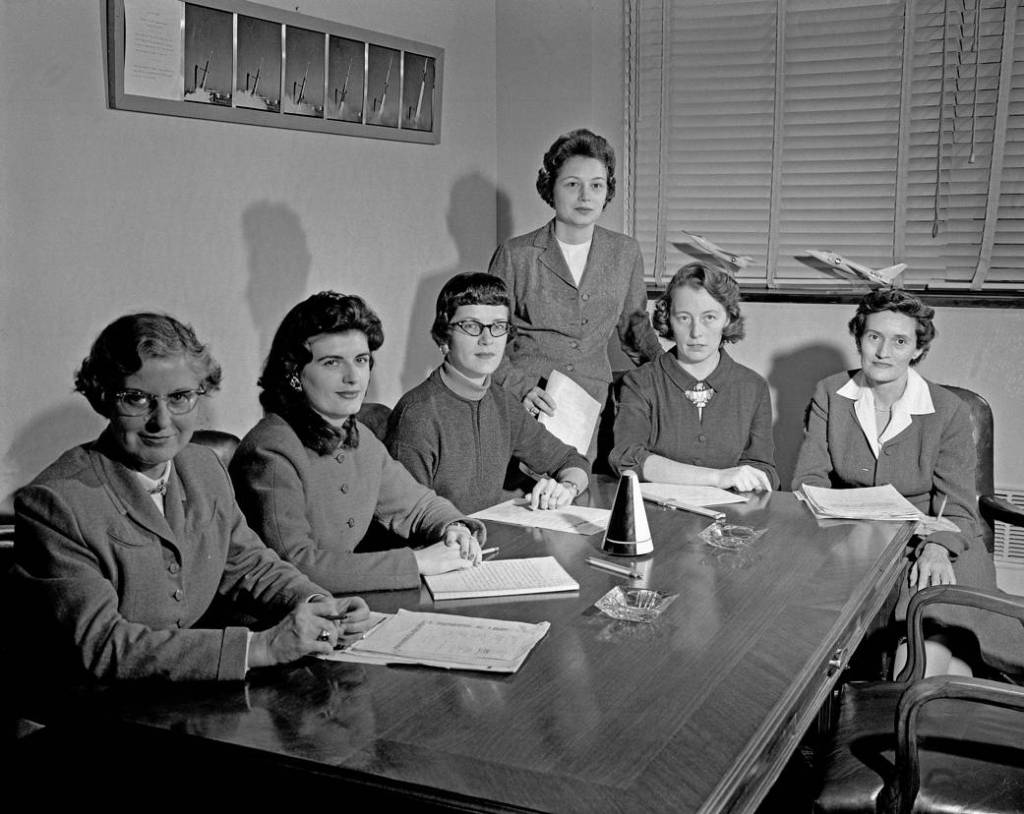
x=325, y=636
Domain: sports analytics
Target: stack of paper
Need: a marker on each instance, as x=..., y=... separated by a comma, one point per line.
x=532, y=575
x=442, y=640
x=867, y=503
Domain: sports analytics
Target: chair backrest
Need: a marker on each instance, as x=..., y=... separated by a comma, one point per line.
x=375, y=416
x=222, y=443
x=982, y=430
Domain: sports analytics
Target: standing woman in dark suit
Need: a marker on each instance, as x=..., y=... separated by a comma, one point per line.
x=886, y=424
x=573, y=283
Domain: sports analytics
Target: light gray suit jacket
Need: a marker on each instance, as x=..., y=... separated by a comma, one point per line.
x=115, y=586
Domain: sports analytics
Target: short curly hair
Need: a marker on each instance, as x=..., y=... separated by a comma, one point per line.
x=900, y=302
x=468, y=288
x=126, y=343
x=323, y=313
x=718, y=283
x=575, y=143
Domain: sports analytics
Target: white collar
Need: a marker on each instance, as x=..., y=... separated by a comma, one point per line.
x=916, y=400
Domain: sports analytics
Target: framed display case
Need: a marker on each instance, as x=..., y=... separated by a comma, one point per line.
x=242, y=62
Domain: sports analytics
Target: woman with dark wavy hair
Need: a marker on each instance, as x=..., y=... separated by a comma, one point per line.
x=572, y=283
x=125, y=544
x=311, y=479
x=886, y=424
x=693, y=415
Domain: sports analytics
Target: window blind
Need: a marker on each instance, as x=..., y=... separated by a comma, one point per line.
x=776, y=126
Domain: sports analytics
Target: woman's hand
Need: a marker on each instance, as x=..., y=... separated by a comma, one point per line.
x=309, y=628
x=744, y=479
x=538, y=401
x=351, y=617
x=551, y=494
x=440, y=558
x=932, y=567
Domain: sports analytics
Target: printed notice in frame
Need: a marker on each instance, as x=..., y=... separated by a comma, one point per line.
x=576, y=412
x=154, y=48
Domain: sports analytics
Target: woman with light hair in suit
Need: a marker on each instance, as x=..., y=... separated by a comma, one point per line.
x=126, y=545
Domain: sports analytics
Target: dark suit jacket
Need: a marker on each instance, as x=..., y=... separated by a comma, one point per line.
x=564, y=327
x=114, y=585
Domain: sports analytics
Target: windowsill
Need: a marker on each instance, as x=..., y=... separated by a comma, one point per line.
x=853, y=295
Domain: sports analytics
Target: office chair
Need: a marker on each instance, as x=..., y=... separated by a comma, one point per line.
x=222, y=443
x=923, y=745
x=375, y=416
x=892, y=748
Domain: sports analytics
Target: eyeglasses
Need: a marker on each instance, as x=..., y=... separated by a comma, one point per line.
x=135, y=403
x=474, y=328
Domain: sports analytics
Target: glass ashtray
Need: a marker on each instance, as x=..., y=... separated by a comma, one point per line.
x=634, y=604
x=729, y=535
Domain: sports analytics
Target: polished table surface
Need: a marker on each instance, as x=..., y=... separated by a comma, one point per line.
x=695, y=712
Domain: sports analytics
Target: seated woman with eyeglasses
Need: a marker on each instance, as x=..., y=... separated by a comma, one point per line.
x=457, y=431
x=311, y=479
x=124, y=544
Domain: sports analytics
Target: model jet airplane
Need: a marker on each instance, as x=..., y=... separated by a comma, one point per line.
x=836, y=262
x=706, y=247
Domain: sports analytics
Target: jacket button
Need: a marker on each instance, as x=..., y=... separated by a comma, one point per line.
x=174, y=568
x=340, y=457
x=574, y=344
x=178, y=594
x=343, y=488
x=702, y=438
x=570, y=368
x=180, y=623
x=585, y=297
x=350, y=522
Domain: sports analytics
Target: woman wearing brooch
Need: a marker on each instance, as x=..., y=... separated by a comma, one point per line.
x=693, y=415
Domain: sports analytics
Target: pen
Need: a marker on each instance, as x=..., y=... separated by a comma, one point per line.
x=615, y=568
x=487, y=551
x=686, y=507
x=942, y=508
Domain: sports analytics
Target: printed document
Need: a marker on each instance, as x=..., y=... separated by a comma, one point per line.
x=446, y=640
x=575, y=415
x=531, y=575
x=668, y=494
x=572, y=519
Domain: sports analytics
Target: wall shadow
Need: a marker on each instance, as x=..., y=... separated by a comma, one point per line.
x=279, y=266
x=46, y=436
x=792, y=377
x=469, y=195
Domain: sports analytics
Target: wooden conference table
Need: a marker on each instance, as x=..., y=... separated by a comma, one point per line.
x=697, y=712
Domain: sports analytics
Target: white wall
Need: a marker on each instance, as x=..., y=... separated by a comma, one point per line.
x=226, y=226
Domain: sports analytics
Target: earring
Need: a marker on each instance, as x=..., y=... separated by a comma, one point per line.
x=444, y=349
x=294, y=382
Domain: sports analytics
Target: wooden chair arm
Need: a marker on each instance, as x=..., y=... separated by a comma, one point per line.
x=995, y=508
x=900, y=792
x=1004, y=604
